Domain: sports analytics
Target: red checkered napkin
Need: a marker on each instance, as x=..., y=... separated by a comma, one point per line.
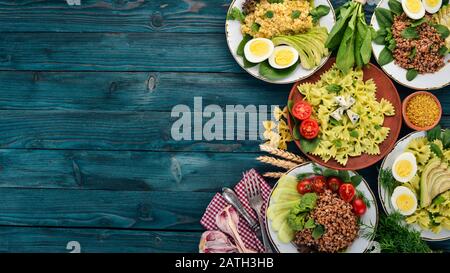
x=218, y=203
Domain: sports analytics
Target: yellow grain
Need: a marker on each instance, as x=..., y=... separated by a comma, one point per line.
x=422, y=110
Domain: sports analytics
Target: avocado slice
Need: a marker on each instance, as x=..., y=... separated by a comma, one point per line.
x=424, y=181
x=441, y=184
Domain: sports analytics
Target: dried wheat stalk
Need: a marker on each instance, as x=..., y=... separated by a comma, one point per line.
x=277, y=162
x=283, y=154
x=273, y=174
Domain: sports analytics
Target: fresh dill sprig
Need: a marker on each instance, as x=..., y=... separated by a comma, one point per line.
x=388, y=181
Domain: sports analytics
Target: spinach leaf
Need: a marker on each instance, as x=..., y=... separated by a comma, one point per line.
x=410, y=33
x=345, y=58
x=366, y=48
x=318, y=231
x=296, y=133
x=446, y=138
x=443, y=50
x=248, y=64
x=434, y=133
x=240, y=49
x=392, y=44
x=416, y=23
x=356, y=180
x=336, y=35
x=411, y=74
x=309, y=146
x=395, y=6
x=379, y=39
x=385, y=57
x=345, y=176
x=413, y=53
x=384, y=17
x=436, y=150
x=333, y=88
x=271, y=73
x=236, y=14
x=442, y=30
x=318, y=12
x=329, y=172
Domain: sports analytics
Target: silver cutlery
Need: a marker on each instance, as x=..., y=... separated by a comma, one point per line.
x=231, y=197
x=256, y=202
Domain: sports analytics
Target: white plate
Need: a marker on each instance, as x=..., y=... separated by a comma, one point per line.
x=428, y=81
x=370, y=218
x=399, y=148
x=234, y=37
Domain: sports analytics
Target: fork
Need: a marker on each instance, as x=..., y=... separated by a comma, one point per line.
x=256, y=202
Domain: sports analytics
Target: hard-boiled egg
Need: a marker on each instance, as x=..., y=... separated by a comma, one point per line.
x=432, y=6
x=405, y=167
x=283, y=57
x=413, y=8
x=258, y=50
x=404, y=200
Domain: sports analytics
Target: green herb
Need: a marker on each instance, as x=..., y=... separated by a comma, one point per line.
x=388, y=181
x=377, y=127
x=345, y=176
x=434, y=133
x=418, y=22
x=240, y=49
x=310, y=223
x=333, y=88
x=317, y=169
x=337, y=143
x=446, y=138
x=269, y=14
x=318, y=231
x=392, y=45
x=329, y=172
x=303, y=176
x=439, y=200
x=385, y=57
x=413, y=53
x=298, y=217
x=295, y=14
x=275, y=1
x=235, y=14
x=443, y=50
x=411, y=74
x=436, y=150
x=395, y=6
x=309, y=146
x=271, y=73
x=334, y=122
x=384, y=17
x=410, y=33
x=395, y=237
x=318, y=12
x=356, y=180
x=255, y=27
x=361, y=195
x=442, y=30
x=354, y=133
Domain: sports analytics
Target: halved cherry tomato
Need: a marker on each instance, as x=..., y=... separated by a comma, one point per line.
x=319, y=183
x=347, y=192
x=334, y=183
x=302, y=110
x=309, y=128
x=359, y=207
x=304, y=186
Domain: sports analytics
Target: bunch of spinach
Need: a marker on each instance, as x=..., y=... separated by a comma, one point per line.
x=351, y=36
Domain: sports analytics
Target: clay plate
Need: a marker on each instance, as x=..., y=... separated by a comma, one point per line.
x=385, y=89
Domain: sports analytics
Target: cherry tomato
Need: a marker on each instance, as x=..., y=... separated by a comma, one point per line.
x=347, y=192
x=302, y=110
x=309, y=128
x=304, y=186
x=319, y=183
x=334, y=183
x=359, y=207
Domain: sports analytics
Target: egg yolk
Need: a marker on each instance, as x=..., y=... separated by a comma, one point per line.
x=259, y=48
x=284, y=57
x=432, y=3
x=414, y=5
x=405, y=202
x=403, y=168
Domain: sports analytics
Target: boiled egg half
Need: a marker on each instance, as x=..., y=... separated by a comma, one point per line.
x=404, y=200
x=283, y=57
x=413, y=8
x=405, y=167
x=432, y=6
x=258, y=50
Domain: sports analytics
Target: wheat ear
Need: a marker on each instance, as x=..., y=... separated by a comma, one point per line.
x=277, y=162
x=283, y=154
x=273, y=174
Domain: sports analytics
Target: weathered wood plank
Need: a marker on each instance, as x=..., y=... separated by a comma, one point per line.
x=113, y=16
x=131, y=171
x=116, y=52
x=107, y=209
x=55, y=240
x=132, y=91
x=141, y=91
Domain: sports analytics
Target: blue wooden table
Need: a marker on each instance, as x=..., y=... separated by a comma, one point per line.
x=86, y=152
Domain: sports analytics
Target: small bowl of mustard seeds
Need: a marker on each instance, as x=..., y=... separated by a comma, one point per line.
x=422, y=111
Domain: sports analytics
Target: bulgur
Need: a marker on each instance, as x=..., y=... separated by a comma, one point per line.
x=422, y=110
x=288, y=18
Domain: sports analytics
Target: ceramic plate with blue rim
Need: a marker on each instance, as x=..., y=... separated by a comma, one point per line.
x=388, y=162
x=369, y=220
x=234, y=37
